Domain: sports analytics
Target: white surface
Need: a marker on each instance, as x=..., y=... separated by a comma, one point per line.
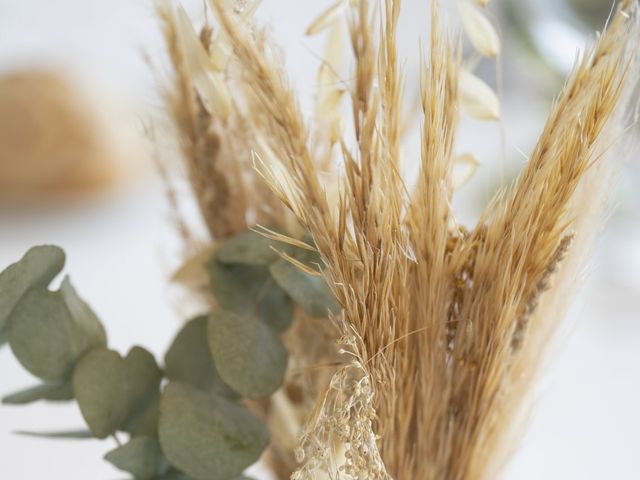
x=586, y=424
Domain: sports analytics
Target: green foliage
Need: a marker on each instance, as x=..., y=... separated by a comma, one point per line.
x=49, y=331
x=248, y=248
x=145, y=420
x=40, y=335
x=88, y=331
x=47, y=391
x=99, y=383
x=39, y=266
x=309, y=291
x=250, y=290
x=249, y=354
x=141, y=457
x=189, y=359
x=143, y=392
x=207, y=436
x=68, y=435
x=114, y=393
x=196, y=427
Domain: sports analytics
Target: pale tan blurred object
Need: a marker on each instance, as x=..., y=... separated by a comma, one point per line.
x=54, y=138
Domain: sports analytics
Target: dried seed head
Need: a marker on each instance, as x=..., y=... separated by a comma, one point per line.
x=329, y=89
x=329, y=102
x=468, y=164
x=209, y=85
x=478, y=28
x=477, y=99
x=219, y=99
x=326, y=18
x=194, y=50
x=219, y=54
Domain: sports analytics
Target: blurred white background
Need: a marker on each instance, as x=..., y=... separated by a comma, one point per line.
x=121, y=246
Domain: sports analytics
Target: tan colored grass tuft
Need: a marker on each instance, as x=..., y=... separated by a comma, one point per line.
x=221, y=204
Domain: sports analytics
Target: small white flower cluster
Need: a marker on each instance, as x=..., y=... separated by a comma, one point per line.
x=340, y=442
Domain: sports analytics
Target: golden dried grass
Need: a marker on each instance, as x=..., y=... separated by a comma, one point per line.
x=443, y=327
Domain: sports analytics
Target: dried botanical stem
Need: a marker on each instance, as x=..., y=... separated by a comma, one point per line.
x=220, y=198
x=521, y=241
x=520, y=329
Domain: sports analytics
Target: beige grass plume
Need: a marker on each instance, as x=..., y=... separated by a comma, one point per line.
x=443, y=327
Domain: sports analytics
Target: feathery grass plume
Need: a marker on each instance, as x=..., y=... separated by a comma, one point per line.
x=220, y=205
x=444, y=326
x=584, y=213
x=211, y=128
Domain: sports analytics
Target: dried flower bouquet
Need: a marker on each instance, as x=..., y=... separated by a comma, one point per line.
x=315, y=239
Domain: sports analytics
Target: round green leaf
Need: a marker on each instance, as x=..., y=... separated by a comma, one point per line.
x=145, y=421
x=207, y=436
x=37, y=268
x=172, y=474
x=248, y=248
x=41, y=335
x=143, y=377
x=49, y=331
x=236, y=287
x=189, y=360
x=141, y=457
x=48, y=391
x=274, y=306
x=249, y=354
x=88, y=330
x=142, y=391
x=250, y=290
x=309, y=291
x=99, y=382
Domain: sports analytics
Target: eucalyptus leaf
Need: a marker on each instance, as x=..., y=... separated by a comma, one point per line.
x=3, y=338
x=172, y=474
x=88, y=330
x=144, y=421
x=41, y=335
x=248, y=248
x=207, y=436
x=49, y=331
x=68, y=435
x=99, y=382
x=37, y=268
x=249, y=354
x=143, y=377
x=48, y=391
x=189, y=360
x=142, y=392
x=250, y=290
x=141, y=456
x=309, y=291
x=274, y=306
